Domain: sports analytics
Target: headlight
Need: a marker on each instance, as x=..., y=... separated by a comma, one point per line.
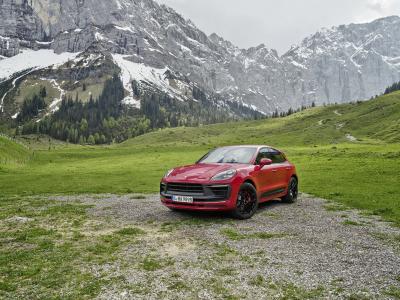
x=224, y=175
x=168, y=173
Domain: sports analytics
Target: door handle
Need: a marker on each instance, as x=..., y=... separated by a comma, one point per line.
x=288, y=168
x=274, y=170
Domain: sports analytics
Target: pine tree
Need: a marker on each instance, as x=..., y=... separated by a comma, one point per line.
x=91, y=140
x=43, y=92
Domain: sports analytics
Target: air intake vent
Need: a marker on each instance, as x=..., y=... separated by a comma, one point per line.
x=185, y=188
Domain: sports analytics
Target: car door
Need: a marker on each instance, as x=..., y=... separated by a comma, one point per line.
x=266, y=179
x=280, y=169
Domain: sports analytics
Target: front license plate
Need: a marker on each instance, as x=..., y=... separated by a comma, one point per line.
x=182, y=199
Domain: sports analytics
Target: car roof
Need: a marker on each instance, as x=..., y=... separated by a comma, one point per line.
x=248, y=146
x=252, y=146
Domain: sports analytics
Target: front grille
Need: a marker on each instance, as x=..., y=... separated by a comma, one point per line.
x=200, y=193
x=185, y=188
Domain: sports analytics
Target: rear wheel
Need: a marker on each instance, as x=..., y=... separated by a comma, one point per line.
x=293, y=191
x=247, y=202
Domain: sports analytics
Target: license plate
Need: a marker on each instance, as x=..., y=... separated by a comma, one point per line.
x=182, y=199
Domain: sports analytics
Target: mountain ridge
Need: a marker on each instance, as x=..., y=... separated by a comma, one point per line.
x=332, y=65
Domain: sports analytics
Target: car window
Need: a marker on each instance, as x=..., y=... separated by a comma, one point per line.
x=263, y=153
x=272, y=154
x=233, y=155
x=276, y=156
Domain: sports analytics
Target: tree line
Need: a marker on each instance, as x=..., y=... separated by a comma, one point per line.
x=98, y=121
x=107, y=120
x=393, y=88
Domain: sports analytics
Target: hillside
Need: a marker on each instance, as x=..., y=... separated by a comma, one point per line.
x=373, y=121
x=343, y=152
x=12, y=152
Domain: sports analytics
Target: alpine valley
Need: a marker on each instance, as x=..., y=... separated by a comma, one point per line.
x=93, y=71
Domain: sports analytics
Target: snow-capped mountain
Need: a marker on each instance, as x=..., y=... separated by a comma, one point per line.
x=155, y=46
x=345, y=63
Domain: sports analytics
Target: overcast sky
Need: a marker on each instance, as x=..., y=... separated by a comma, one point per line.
x=277, y=23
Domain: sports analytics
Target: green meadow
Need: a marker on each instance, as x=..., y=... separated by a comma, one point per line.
x=347, y=153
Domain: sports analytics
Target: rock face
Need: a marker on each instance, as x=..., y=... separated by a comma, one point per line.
x=341, y=64
x=346, y=63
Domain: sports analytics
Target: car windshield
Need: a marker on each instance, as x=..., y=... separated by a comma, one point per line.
x=230, y=155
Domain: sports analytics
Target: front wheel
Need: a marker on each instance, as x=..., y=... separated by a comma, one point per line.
x=293, y=191
x=247, y=202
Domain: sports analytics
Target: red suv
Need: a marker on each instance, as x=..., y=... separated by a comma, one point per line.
x=234, y=179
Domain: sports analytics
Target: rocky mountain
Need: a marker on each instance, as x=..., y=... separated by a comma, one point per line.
x=154, y=46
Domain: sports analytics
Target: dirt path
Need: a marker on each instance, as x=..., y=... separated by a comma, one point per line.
x=306, y=250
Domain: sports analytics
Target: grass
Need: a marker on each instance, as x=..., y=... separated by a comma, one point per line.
x=55, y=249
x=393, y=292
x=13, y=154
x=354, y=174
x=150, y=263
x=131, y=231
x=236, y=236
x=351, y=223
x=35, y=261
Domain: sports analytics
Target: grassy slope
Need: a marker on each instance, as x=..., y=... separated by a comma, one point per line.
x=12, y=154
x=360, y=174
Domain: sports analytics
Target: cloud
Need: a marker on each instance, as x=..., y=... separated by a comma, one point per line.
x=376, y=5
x=278, y=24
x=383, y=6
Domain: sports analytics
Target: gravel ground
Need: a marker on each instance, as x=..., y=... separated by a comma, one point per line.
x=297, y=251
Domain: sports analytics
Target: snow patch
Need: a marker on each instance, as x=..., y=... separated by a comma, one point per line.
x=44, y=43
x=295, y=63
x=140, y=72
x=99, y=37
x=336, y=112
x=340, y=126
x=54, y=105
x=30, y=59
x=124, y=28
x=351, y=138
x=13, y=86
x=119, y=5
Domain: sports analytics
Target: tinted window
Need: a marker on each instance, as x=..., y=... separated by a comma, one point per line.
x=277, y=157
x=264, y=153
x=272, y=154
x=232, y=155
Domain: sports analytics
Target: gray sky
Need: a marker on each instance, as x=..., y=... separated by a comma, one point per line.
x=277, y=23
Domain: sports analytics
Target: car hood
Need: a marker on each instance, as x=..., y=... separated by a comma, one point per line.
x=200, y=171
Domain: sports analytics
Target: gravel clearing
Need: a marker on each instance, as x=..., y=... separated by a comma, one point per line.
x=311, y=249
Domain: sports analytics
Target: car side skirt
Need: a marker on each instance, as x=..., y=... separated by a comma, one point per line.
x=269, y=195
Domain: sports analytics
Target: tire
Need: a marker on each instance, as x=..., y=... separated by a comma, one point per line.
x=293, y=191
x=247, y=202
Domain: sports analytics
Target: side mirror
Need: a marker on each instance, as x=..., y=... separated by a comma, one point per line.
x=265, y=162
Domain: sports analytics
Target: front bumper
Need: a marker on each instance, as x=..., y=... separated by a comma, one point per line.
x=206, y=201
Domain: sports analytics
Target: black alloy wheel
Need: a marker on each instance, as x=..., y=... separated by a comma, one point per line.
x=293, y=191
x=247, y=202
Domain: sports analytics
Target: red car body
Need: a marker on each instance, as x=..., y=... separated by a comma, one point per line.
x=268, y=170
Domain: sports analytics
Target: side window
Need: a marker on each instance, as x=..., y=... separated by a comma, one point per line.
x=264, y=153
x=276, y=156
